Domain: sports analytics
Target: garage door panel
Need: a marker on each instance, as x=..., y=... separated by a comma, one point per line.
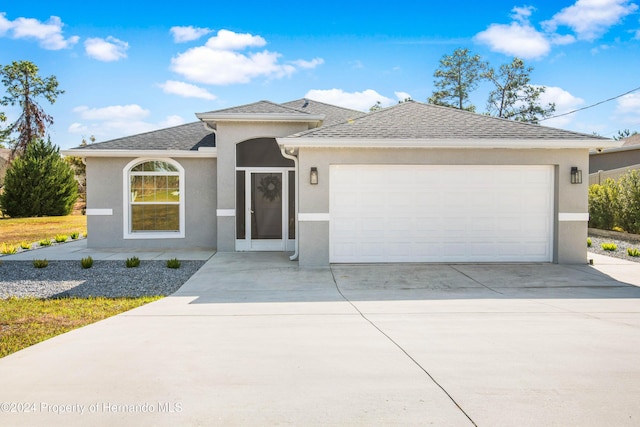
x=433, y=213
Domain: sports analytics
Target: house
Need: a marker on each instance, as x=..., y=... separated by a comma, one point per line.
x=409, y=183
x=614, y=162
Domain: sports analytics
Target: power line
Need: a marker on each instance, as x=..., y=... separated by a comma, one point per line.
x=590, y=106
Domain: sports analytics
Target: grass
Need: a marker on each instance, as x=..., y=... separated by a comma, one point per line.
x=14, y=231
x=27, y=321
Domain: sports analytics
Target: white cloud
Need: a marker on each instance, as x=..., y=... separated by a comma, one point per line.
x=5, y=24
x=106, y=50
x=171, y=121
x=522, y=14
x=228, y=40
x=187, y=34
x=628, y=108
x=355, y=100
x=186, y=90
x=402, y=96
x=590, y=19
x=219, y=61
x=517, y=39
x=48, y=33
x=301, y=63
x=564, y=101
x=114, y=112
x=116, y=121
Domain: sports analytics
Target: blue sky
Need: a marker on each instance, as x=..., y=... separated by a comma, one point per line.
x=128, y=68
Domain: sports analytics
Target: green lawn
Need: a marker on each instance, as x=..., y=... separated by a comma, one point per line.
x=13, y=231
x=27, y=321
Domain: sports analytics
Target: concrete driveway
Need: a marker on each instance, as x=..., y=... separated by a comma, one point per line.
x=253, y=340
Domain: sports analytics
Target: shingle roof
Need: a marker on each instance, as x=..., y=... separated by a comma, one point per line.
x=260, y=107
x=333, y=114
x=190, y=136
x=415, y=120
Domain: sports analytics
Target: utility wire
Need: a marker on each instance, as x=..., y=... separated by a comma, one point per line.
x=590, y=106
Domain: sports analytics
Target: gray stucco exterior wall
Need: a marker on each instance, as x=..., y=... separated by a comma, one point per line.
x=569, y=236
x=105, y=191
x=227, y=136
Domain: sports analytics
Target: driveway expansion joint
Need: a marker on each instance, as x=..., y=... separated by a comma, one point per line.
x=396, y=344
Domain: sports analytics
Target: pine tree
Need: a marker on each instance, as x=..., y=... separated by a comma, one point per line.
x=39, y=183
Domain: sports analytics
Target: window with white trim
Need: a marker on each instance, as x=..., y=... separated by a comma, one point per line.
x=155, y=203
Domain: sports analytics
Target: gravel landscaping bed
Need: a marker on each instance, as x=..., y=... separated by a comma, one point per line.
x=621, y=252
x=105, y=278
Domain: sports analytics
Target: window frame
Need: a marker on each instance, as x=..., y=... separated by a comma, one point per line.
x=127, y=173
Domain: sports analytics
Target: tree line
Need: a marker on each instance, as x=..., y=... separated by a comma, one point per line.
x=512, y=96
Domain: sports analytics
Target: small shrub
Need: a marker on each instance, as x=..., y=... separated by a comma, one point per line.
x=589, y=242
x=61, y=238
x=45, y=242
x=609, y=247
x=173, y=263
x=74, y=235
x=25, y=245
x=132, y=262
x=633, y=252
x=40, y=263
x=618, y=229
x=86, y=262
x=6, y=249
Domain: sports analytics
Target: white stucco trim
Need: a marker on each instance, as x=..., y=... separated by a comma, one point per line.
x=292, y=143
x=313, y=217
x=97, y=212
x=225, y=212
x=210, y=152
x=126, y=207
x=569, y=216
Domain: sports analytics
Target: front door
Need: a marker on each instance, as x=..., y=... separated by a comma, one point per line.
x=264, y=210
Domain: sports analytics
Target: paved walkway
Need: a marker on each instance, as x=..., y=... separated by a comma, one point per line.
x=76, y=250
x=251, y=339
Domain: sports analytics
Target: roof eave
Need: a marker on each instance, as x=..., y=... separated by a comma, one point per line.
x=299, y=142
x=203, y=152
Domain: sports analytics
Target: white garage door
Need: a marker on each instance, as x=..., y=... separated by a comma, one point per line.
x=449, y=213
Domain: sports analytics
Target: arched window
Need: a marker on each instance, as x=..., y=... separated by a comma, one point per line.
x=154, y=199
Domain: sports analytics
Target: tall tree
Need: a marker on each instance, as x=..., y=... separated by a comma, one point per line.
x=24, y=87
x=39, y=183
x=457, y=76
x=624, y=134
x=513, y=97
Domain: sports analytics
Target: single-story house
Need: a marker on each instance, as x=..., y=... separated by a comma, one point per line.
x=410, y=183
x=614, y=162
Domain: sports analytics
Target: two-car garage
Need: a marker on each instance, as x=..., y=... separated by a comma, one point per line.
x=441, y=213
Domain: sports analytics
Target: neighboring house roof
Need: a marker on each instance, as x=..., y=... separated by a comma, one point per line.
x=190, y=136
x=632, y=140
x=333, y=114
x=415, y=120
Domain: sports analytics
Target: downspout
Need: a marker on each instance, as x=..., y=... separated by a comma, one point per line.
x=294, y=257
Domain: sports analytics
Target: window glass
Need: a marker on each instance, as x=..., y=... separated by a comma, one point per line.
x=155, y=197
